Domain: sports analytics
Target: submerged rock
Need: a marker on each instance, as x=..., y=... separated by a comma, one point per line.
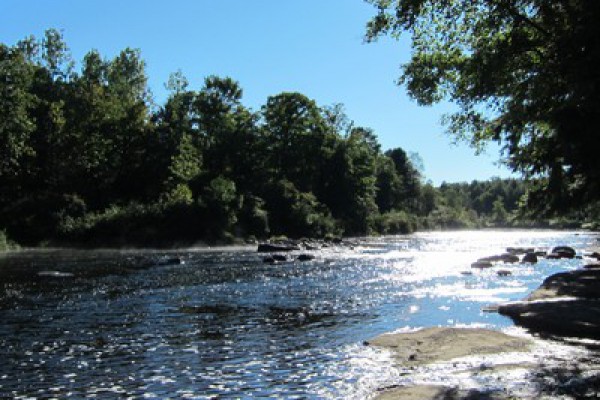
x=305, y=257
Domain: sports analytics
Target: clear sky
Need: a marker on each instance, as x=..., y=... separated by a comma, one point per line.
x=314, y=47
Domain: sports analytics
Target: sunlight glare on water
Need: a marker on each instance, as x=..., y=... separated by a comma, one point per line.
x=224, y=324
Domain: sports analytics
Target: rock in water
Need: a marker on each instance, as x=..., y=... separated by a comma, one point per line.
x=563, y=252
x=170, y=261
x=566, y=304
x=272, y=248
x=519, y=250
x=530, y=258
x=482, y=264
x=436, y=392
x=442, y=344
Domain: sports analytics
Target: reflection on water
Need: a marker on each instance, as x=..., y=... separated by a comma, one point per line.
x=197, y=324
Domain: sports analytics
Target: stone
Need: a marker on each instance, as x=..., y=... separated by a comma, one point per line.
x=271, y=248
x=444, y=344
x=566, y=304
x=564, y=251
x=519, y=250
x=482, y=264
x=530, y=258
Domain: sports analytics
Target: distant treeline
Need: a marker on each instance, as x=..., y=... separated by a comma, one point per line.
x=87, y=158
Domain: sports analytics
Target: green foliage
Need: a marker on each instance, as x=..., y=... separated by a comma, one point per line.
x=396, y=222
x=297, y=214
x=253, y=218
x=5, y=243
x=86, y=160
x=522, y=73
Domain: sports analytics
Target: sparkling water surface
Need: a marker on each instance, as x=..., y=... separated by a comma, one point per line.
x=223, y=324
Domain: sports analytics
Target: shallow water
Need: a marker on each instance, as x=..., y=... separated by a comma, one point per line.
x=224, y=324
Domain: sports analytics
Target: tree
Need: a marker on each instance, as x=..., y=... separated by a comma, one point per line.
x=389, y=185
x=298, y=134
x=410, y=176
x=523, y=73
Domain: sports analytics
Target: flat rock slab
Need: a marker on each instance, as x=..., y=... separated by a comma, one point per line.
x=566, y=304
x=442, y=344
x=434, y=392
x=583, y=283
x=557, y=316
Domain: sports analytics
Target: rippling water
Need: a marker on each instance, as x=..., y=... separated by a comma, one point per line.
x=224, y=324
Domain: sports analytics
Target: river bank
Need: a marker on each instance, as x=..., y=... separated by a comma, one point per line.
x=566, y=306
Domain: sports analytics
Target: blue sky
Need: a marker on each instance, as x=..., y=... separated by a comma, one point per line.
x=311, y=46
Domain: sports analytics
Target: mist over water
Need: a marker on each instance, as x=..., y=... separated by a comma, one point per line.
x=224, y=324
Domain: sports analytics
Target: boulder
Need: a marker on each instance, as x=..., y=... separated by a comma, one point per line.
x=564, y=252
x=273, y=258
x=305, y=257
x=595, y=255
x=566, y=304
x=519, y=250
x=170, y=261
x=509, y=258
x=505, y=258
x=504, y=272
x=530, y=258
x=279, y=257
x=566, y=317
x=271, y=247
x=482, y=264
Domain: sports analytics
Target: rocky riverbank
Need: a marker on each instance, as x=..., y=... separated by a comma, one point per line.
x=566, y=304
x=435, y=345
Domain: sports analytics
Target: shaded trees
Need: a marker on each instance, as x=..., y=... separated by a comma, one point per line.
x=523, y=73
x=87, y=160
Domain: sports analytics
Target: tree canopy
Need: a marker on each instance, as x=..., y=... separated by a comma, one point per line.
x=523, y=73
x=87, y=158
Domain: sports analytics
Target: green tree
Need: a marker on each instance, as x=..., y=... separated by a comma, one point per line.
x=499, y=213
x=410, y=177
x=523, y=73
x=351, y=192
x=389, y=185
x=299, y=139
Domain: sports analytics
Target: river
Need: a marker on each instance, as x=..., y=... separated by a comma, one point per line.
x=223, y=324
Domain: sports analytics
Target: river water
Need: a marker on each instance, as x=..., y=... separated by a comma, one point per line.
x=223, y=324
